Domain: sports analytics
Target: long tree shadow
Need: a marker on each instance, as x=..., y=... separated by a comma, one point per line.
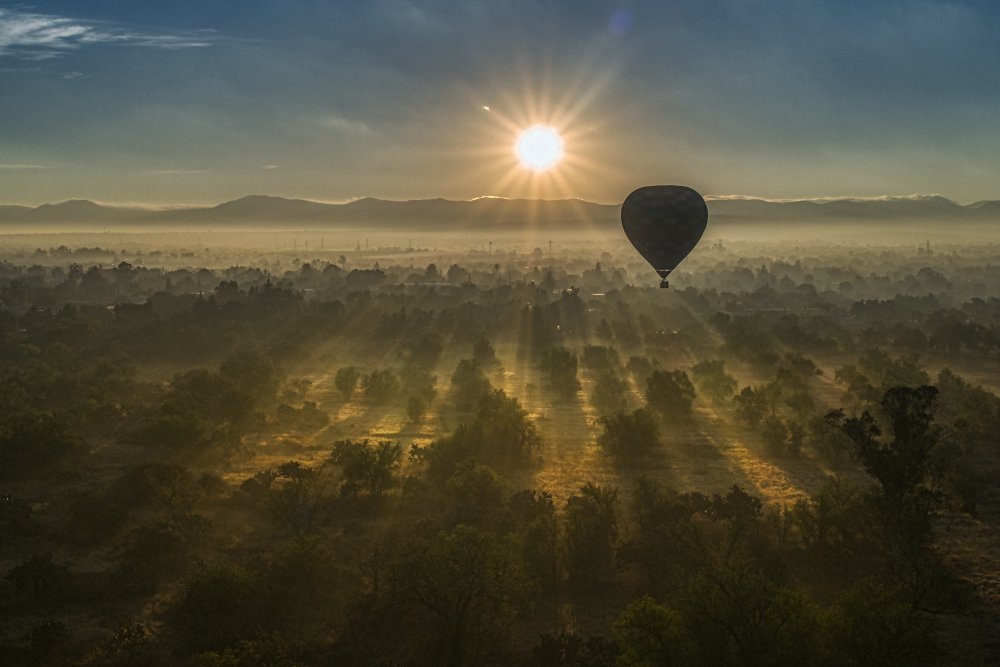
x=779, y=480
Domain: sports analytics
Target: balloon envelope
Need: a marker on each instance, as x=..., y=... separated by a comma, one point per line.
x=664, y=223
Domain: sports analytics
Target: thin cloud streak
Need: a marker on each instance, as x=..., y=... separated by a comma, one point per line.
x=15, y=167
x=35, y=36
x=175, y=172
x=347, y=125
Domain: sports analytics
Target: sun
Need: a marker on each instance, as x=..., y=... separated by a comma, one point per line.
x=539, y=148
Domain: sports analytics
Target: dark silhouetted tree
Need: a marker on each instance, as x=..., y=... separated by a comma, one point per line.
x=592, y=534
x=630, y=436
x=469, y=385
x=652, y=634
x=752, y=405
x=373, y=467
x=903, y=465
x=468, y=590
x=670, y=393
x=559, y=366
x=346, y=380
x=713, y=380
x=380, y=385
x=416, y=408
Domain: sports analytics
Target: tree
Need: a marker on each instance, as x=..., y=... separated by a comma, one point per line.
x=774, y=433
x=903, y=466
x=629, y=436
x=592, y=534
x=476, y=493
x=652, y=635
x=484, y=354
x=601, y=359
x=903, y=371
x=640, y=368
x=168, y=488
x=296, y=495
x=468, y=589
x=798, y=370
x=39, y=577
x=501, y=435
x=221, y=605
x=568, y=649
x=834, y=519
x=874, y=624
x=534, y=513
x=828, y=441
x=152, y=553
x=424, y=352
x=416, y=408
x=363, y=279
x=201, y=408
x=45, y=642
x=796, y=437
x=801, y=403
x=752, y=405
x=610, y=393
x=738, y=615
x=253, y=373
x=31, y=440
x=670, y=393
x=859, y=389
x=713, y=380
x=374, y=467
x=309, y=418
x=604, y=331
x=457, y=275
x=559, y=366
x=380, y=385
x=419, y=382
x=346, y=380
x=469, y=385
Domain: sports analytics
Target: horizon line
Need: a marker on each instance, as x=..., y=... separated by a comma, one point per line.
x=342, y=202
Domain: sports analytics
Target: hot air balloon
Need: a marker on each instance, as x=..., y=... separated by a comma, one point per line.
x=664, y=223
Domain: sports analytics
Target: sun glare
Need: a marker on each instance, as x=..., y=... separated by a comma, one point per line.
x=539, y=148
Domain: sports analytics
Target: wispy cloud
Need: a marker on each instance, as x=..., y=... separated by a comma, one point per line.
x=16, y=167
x=35, y=36
x=347, y=125
x=175, y=172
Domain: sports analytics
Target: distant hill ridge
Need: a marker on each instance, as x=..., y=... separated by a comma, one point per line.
x=497, y=212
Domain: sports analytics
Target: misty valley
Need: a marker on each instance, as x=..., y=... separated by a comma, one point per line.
x=252, y=447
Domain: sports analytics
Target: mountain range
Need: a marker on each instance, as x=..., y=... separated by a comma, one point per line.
x=487, y=212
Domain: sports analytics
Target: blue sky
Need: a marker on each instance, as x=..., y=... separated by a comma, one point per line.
x=175, y=102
